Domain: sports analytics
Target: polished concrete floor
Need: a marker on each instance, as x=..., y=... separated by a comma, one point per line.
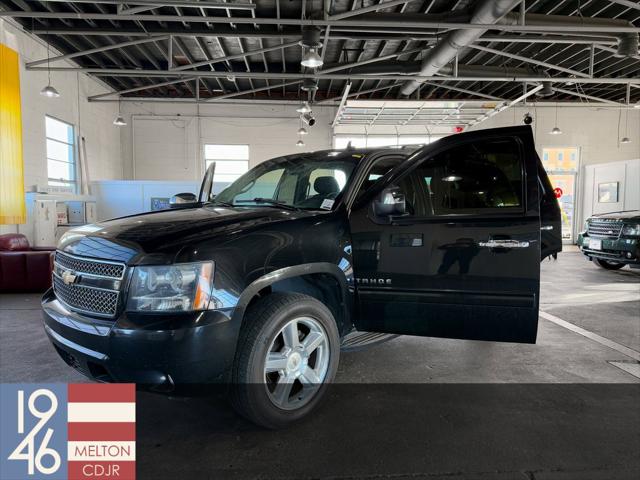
x=566, y=407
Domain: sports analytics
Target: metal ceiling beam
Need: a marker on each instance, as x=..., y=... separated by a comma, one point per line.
x=336, y=34
x=335, y=76
x=588, y=97
x=247, y=92
x=138, y=89
x=96, y=50
x=528, y=60
x=627, y=3
x=162, y=3
x=235, y=56
x=438, y=26
x=372, y=8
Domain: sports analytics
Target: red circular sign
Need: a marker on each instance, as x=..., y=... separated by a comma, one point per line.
x=558, y=192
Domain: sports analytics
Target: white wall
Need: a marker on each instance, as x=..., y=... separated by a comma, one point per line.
x=594, y=129
x=91, y=120
x=626, y=173
x=164, y=141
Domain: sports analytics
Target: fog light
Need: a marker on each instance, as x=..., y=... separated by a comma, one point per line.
x=629, y=255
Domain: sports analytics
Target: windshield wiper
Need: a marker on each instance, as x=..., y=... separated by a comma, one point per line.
x=269, y=201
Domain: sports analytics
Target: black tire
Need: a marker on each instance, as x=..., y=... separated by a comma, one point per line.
x=607, y=265
x=263, y=321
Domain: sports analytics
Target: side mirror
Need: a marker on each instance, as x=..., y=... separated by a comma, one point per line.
x=180, y=200
x=390, y=202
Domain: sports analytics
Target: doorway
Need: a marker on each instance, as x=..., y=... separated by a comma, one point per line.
x=561, y=164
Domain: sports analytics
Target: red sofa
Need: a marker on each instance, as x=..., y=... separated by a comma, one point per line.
x=22, y=268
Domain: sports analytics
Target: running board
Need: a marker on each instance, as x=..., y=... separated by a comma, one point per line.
x=359, y=340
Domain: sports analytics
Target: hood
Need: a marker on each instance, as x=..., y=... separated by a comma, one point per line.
x=626, y=215
x=167, y=232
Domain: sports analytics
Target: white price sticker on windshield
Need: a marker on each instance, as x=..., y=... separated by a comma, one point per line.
x=327, y=204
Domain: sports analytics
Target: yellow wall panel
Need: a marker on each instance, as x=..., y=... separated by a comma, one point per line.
x=12, y=202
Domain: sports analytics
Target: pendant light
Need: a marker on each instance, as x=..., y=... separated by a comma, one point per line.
x=555, y=130
x=119, y=121
x=311, y=59
x=304, y=108
x=626, y=138
x=49, y=91
x=311, y=43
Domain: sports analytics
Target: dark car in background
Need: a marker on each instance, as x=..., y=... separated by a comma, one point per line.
x=612, y=240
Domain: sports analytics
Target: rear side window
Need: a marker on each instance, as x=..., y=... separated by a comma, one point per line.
x=474, y=178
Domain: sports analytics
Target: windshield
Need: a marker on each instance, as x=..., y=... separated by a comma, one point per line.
x=301, y=181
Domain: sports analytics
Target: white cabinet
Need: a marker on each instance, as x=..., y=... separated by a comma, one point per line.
x=49, y=216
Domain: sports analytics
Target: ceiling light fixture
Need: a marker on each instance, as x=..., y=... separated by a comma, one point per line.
x=304, y=108
x=302, y=131
x=311, y=59
x=626, y=138
x=119, y=121
x=49, y=91
x=546, y=90
x=300, y=143
x=556, y=130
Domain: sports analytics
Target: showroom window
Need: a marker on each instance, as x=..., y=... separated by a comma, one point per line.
x=61, y=158
x=369, y=141
x=231, y=161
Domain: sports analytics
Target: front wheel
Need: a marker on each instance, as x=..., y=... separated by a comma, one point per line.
x=288, y=352
x=608, y=265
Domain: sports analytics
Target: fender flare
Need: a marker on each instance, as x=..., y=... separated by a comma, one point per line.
x=291, y=272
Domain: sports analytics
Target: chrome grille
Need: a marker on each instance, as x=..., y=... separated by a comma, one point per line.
x=604, y=228
x=91, y=267
x=86, y=285
x=87, y=299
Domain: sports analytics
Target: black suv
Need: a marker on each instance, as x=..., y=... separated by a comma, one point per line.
x=257, y=287
x=612, y=240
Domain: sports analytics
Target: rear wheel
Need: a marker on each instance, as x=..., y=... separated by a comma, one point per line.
x=608, y=265
x=288, y=352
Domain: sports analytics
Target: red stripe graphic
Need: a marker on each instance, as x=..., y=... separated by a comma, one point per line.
x=102, y=432
x=102, y=470
x=102, y=392
x=99, y=404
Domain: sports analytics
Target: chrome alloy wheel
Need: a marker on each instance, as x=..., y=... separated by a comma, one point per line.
x=296, y=363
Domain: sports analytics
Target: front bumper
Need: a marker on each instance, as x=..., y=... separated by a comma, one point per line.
x=158, y=351
x=622, y=250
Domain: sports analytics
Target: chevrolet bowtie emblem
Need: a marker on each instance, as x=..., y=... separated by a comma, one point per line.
x=68, y=277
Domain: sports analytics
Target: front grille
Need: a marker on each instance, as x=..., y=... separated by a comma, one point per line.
x=86, y=299
x=92, y=267
x=604, y=228
x=87, y=285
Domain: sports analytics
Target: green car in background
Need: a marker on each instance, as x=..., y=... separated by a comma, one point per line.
x=612, y=240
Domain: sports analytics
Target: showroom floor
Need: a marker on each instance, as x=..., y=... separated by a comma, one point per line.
x=566, y=407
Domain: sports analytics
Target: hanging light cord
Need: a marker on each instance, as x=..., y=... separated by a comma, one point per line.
x=48, y=61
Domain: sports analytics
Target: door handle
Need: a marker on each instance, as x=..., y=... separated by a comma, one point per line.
x=504, y=244
x=546, y=227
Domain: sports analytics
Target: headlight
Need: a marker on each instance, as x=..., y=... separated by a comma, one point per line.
x=171, y=288
x=631, y=229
